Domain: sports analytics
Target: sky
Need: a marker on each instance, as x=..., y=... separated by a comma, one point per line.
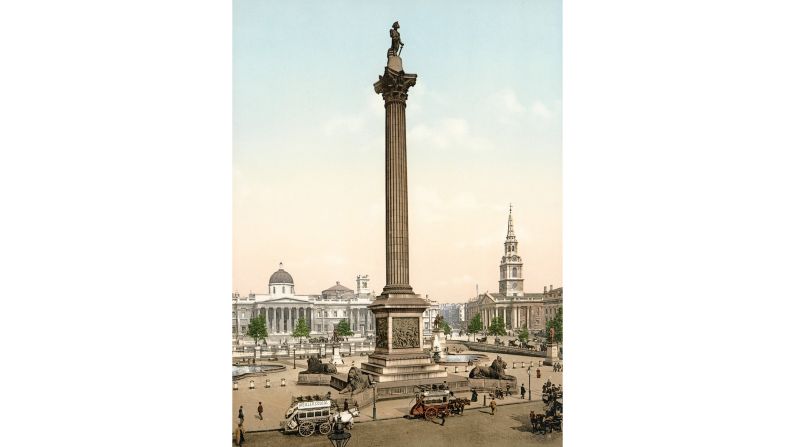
x=483, y=131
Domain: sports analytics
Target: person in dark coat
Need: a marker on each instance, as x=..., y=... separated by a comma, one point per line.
x=522, y=391
x=240, y=434
x=443, y=414
x=259, y=410
x=345, y=405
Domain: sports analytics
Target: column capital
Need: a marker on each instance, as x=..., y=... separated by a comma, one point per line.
x=394, y=85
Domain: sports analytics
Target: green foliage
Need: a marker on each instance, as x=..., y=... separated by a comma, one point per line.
x=301, y=329
x=475, y=325
x=446, y=327
x=557, y=323
x=497, y=327
x=524, y=335
x=257, y=329
x=344, y=329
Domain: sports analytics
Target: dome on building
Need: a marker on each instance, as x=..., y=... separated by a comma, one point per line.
x=280, y=277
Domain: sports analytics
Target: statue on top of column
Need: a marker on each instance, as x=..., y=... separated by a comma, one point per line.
x=397, y=44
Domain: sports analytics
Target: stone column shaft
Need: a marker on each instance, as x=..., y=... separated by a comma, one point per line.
x=393, y=86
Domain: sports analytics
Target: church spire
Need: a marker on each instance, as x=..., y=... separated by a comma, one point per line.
x=511, y=280
x=511, y=236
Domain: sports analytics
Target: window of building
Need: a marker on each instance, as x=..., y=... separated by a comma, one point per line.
x=282, y=289
x=335, y=313
x=514, y=273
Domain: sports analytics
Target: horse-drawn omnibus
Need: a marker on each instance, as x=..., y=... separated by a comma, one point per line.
x=307, y=417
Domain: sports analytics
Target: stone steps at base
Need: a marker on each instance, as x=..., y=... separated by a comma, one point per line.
x=400, y=369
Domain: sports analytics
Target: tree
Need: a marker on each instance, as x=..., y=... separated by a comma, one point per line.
x=446, y=327
x=301, y=330
x=344, y=329
x=497, y=327
x=524, y=335
x=257, y=329
x=556, y=323
x=475, y=325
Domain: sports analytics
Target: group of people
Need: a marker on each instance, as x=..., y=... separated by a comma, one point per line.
x=551, y=391
x=557, y=367
x=240, y=433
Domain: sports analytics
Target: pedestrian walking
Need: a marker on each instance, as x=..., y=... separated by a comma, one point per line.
x=259, y=410
x=443, y=414
x=522, y=391
x=240, y=434
x=493, y=406
x=240, y=415
x=508, y=389
x=345, y=405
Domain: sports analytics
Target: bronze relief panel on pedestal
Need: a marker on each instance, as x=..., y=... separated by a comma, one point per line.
x=381, y=340
x=405, y=333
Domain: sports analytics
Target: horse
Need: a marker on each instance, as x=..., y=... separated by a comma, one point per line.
x=347, y=416
x=481, y=340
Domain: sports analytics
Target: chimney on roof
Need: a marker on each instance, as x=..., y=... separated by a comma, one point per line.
x=550, y=287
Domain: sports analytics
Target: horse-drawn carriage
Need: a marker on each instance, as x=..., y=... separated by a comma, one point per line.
x=481, y=340
x=431, y=403
x=499, y=342
x=549, y=421
x=306, y=417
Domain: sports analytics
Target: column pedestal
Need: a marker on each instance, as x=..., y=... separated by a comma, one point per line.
x=336, y=358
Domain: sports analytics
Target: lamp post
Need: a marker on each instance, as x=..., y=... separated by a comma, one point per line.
x=339, y=437
x=375, y=398
x=529, y=386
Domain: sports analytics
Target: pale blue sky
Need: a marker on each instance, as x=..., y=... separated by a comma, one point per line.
x=483, y=130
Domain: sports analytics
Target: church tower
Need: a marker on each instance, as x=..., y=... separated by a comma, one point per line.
x=511, y=282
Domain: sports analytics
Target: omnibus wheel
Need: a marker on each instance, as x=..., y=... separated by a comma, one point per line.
x=324, y=428
x=430, y=414
x=306, y=429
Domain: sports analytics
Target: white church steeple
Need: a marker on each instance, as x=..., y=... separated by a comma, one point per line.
x=511, y=281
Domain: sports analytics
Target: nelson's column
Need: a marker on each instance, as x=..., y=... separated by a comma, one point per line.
x=398, y=354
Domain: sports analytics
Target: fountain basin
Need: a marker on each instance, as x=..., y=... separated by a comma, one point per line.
x=239, y=372
x=461, y=359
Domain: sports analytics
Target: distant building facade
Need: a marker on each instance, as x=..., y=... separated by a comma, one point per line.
x=452, y=313
x=282, y=308
x=518, y=309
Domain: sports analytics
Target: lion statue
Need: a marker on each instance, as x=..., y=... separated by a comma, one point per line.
x=357, y=381
x=316, y=366
x=495, y=371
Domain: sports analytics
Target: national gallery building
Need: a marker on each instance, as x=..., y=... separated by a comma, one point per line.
x=517, y=308
x=282, y=308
